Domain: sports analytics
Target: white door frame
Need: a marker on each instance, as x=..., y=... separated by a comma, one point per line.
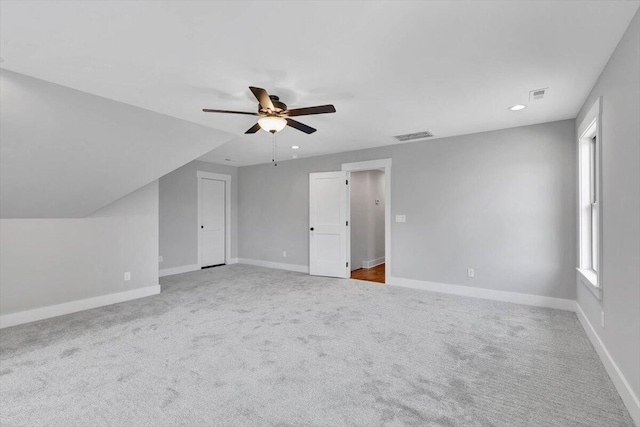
x=227, y=213
x=385, y=165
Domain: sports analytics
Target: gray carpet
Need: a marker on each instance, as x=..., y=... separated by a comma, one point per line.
x=249, y=346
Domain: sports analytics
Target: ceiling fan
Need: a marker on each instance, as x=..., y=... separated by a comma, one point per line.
x=275, y=115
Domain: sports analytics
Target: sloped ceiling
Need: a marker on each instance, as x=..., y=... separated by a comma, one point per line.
x=390, y=67
x=66, y=153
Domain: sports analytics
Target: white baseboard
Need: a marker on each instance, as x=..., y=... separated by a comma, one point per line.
x=518, y=298
x=622, y=385
x=178, y=270
x=276, y=265
x=21, y=317
x=232, y=261
x=373, y=262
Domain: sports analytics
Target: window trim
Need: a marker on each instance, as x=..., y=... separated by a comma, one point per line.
x=590, y=198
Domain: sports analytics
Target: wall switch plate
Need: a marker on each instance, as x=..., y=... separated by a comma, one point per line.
x=160, y=259
x=401, y=218
x=471, y=272
x=127, y=276
x=602, y=318
x=284, y=254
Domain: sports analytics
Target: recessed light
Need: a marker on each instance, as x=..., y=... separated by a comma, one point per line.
x=517, y=107
x=294, y=147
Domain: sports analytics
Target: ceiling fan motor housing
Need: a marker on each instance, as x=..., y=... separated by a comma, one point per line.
x=279, y=106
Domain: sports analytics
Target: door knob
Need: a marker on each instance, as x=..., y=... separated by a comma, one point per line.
x=202, y=226
x=311, y=229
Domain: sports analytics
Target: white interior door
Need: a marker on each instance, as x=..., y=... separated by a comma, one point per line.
x=328, y=224
x=212, y=222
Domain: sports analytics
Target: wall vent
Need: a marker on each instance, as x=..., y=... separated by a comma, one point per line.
x=538, y=94
x=413, y=136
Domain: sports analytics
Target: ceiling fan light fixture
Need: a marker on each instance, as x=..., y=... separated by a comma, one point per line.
x=272, y=124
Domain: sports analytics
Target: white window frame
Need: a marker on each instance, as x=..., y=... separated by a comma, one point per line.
x=590, y=202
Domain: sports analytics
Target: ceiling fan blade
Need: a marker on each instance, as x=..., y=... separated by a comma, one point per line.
x=321, y=109
x=300, y=126
x=255, y=128
x=263, y=98
x=206, y=110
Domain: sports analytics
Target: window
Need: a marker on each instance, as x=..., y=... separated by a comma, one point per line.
x=593, y=195
x=589, y=192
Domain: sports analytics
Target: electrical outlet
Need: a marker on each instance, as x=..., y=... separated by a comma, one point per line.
x=471, y=272
x=284, y=254
x=127, y=276
x=160, y=258
x=401, y=218
x=602, y=318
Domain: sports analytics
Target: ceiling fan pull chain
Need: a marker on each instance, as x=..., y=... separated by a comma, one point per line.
x=274, y=150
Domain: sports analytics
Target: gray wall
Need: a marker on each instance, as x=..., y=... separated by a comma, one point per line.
x=367, y=218
x=52, y=261
x=502, y=202
x=376, y=247
x=619, y=85
x=179, y=213
x=66, y=153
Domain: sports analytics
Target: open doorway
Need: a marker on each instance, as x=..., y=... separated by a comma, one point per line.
x=367, y=206
x=330, y=217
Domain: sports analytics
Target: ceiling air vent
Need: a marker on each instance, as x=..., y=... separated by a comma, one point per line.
x=538, y=94
x=413, y=136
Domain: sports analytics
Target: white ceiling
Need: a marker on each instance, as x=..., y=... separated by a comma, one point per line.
x=388, y=67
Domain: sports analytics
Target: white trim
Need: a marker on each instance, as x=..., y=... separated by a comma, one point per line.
x=227, y=213
x=41, y=313
x=347, y=268
x=514, y=297
x=379, y=164
x=188, y=268
x=178, y=270
x=385, y=166
x=629, y=398
x=372, y=263
x=590, y=280
x=276, y=265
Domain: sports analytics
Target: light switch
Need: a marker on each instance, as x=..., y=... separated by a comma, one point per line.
x=401, y=218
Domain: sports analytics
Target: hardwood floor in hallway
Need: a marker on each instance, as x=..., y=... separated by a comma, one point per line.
x=373, y=274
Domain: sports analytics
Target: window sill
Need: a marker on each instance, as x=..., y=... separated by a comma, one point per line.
x=590, y=280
